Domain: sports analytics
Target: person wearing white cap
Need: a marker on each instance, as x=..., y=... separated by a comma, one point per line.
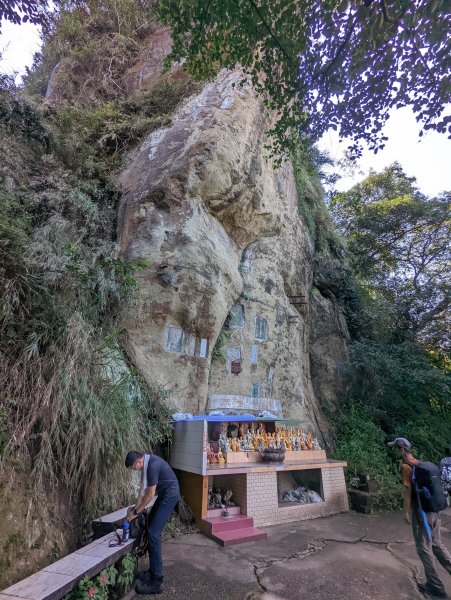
x=428, y=543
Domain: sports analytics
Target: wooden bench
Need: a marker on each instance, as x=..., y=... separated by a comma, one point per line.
x=103, y=525
x=56, y=580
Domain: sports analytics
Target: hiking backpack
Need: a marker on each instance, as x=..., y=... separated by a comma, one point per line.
x=426, y=479
x=445, y=474
x=140, y=526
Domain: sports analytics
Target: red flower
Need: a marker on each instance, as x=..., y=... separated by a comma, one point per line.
x=104, y=578
x=91, y=592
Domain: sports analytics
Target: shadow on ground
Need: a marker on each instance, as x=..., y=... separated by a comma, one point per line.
x=344, y=557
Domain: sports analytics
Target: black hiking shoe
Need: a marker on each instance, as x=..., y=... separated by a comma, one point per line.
x=148, y=588
x=430, y=591
x=144, y=576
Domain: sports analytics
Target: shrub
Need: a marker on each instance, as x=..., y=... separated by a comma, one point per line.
x=363, y=445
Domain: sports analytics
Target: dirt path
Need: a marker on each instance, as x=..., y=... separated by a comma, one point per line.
x=344, y=557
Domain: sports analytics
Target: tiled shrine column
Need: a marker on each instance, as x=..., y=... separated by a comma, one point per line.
x=262, y=502
x=334, y=489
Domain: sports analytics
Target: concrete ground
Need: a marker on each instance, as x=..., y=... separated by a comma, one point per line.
x=344, y=557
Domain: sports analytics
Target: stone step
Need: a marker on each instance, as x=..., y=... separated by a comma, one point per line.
x=239, y=536
x=214, y=525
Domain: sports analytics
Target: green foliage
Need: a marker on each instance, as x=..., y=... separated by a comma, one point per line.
x=112, y=582
x=71, y=401
x=18, y=117
x=405, y=392
x=92, y=140
x=400, y=381
x=398, y=243
x=332, y=274
x=309, y=188
x=99, y=588
x=93, y=42
x=126, y=572
x=306, y=60
x=24, y=11
x=362, y=444
x=220, y=347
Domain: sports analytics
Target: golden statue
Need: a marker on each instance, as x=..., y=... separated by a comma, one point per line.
x=221, y=459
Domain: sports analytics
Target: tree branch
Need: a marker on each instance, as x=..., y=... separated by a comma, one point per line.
x=269, y=30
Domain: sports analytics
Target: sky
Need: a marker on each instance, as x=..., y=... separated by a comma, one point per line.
x=428, y=159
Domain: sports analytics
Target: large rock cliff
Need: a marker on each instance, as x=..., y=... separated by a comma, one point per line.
x=226, y=315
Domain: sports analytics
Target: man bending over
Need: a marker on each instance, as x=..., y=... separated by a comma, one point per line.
x=157, y=479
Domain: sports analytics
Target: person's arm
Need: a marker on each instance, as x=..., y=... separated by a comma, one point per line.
x=142, y=502
x=406, y=473
x=407, y=503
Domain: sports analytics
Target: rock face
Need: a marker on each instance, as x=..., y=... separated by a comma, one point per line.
x=225, y=305
x=35, y=531
x=328, y=350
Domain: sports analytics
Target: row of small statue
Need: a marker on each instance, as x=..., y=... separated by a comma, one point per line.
x=285, y=439
x=215, y=458
x=217, y=498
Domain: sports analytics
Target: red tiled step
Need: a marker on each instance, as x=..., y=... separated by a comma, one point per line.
x=239, y=536
x=216, y=524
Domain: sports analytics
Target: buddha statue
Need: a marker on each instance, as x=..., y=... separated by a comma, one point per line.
x=220, y=458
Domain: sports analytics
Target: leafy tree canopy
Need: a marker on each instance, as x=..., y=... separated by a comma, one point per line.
x=23, y=11
x=324, y=64
x=399, y=246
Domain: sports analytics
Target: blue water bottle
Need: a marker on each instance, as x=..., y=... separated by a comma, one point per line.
x=125, y=531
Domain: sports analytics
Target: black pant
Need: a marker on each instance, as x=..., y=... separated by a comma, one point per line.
x=161, y=512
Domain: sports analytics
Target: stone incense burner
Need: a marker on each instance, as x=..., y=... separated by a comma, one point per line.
x=272, y=454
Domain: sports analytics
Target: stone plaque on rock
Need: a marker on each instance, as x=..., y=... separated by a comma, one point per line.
x=174, y=339
x=261, y=329
x=245, y=403
x=235, y=320
x=254, y=354
x=203, y=348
